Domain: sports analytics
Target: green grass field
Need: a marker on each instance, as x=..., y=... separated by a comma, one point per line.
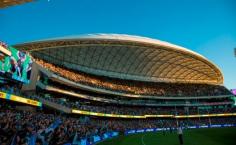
x=212, y=136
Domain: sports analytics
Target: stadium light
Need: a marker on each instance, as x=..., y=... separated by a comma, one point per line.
x=235, y=51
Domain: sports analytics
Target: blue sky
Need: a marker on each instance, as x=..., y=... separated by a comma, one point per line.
x=205, y=26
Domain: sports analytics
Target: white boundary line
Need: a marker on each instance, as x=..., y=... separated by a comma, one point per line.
x=143, y=143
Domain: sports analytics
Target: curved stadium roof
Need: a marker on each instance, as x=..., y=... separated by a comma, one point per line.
x=126, y=57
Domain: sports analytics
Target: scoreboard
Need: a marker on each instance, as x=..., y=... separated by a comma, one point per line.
x=15, y=63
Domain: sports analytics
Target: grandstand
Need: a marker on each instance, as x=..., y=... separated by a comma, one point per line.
x=84, y=89
x=152, y=72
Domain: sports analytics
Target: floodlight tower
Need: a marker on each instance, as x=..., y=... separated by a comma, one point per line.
x=235, y=51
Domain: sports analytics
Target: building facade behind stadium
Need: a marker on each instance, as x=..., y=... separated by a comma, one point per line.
x=113, y=76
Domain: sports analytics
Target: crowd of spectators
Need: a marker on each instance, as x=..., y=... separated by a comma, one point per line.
x=10, y=89
x=131, y=110
x=21, y=127
x=14, y=89
x=136, y=110
x=42, y=128
x=107, y=108
x=135, y=87
x=26, y=127
x=116, y=99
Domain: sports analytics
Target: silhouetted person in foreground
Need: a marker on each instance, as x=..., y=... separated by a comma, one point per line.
x=180, y=134
x=171, y=130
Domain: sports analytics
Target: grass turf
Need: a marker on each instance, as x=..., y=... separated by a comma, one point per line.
x=211, y=136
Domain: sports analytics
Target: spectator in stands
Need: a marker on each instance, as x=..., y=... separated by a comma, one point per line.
x=135, y=87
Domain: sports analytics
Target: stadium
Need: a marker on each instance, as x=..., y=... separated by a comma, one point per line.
x=112, y=89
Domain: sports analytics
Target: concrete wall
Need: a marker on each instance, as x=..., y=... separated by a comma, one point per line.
x=33, y=79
